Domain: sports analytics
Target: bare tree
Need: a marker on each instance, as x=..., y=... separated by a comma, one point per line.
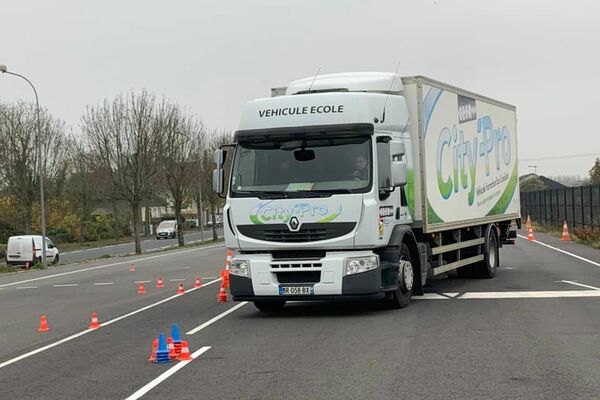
x=183, y=135
x=125, y=136
x=19, y=153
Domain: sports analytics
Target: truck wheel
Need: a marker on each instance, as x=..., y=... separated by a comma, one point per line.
x=269, y=305
x=487, y=268
x=402, y=295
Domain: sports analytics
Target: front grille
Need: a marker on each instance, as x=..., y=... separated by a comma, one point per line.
x=298, y=254
x=299, y=277
x=307, y=233
x=292, y=264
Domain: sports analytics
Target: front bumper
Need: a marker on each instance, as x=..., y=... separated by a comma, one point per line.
x=332, y=285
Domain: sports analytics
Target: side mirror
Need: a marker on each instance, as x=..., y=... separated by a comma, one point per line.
x=219, y=157
x=218, y=180
x=397, y=149
x=399, y=175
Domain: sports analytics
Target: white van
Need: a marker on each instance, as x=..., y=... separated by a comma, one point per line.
x=28, y=249
x=166, y=229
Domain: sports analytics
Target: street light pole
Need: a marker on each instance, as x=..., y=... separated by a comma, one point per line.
x=4, y=70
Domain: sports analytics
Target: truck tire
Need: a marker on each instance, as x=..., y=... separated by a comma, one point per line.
x=402, y=295
x=269, y=306
x=487, y=268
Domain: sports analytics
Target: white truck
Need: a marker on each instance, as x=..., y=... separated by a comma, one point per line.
x=364, y=185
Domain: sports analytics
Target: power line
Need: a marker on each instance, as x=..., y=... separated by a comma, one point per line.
x=560, y=157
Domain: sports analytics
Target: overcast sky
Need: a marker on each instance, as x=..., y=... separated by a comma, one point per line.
x=212, y=57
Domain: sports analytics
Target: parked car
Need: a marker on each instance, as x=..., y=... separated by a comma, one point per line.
x=166, y=229
x=28, y=249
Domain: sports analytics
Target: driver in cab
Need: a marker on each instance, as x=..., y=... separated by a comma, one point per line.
x=361, y=168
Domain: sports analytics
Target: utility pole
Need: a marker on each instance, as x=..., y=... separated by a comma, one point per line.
x=201, y=208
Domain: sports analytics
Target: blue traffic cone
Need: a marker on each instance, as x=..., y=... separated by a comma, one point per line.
x=162, y=354
x=176, y=338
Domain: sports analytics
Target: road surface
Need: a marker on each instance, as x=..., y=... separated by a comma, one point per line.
x=129, y=248
x=533, y=332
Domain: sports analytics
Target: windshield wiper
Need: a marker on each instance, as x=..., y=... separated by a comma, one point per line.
x=327, y=191
x=266, y=194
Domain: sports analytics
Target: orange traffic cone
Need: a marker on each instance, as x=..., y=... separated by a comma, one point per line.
x=181, y=289
x=222, y=296
x=132, y=267
x=141, y=289
x=152, y=357
x=225, y=277
x=528, y=221
x=198, y=282
x=565, y=233
x=43, y=324
x=94, y=324
x=171, y=346
x=228, y=257
x=530, y=234
x=159, y=283
x=185, y=352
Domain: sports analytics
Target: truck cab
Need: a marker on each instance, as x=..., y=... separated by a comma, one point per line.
x=317, y=186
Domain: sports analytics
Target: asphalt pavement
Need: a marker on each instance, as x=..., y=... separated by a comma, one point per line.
x=122, y=249
x=533, y=332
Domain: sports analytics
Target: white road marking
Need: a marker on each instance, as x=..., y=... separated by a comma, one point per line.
x=103, y=324
x=110, y=265
x=162, y=377
x=581, y=284
x=209, y=277
x=563, y=251
x=26, y=287
x=215, y=319
x=530, y=294
x=142, y=282
x=66, y=285
x=177, y=280
x=431, y=296
x=103, y=283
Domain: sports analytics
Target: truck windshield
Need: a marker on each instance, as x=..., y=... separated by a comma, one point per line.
x=302, y=167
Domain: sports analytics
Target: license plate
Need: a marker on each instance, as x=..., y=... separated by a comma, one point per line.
x=296, y=290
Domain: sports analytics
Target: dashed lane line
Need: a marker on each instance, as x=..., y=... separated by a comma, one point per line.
x=580, y=284
x=103, y=324
x=26, y=287
x=534, y=294
x=562, y=251
x=530, y=294
x=103, y=283
x=66, y=285
x=138, y=282
x=109, y=265
x=165, y=375
x=177, y=280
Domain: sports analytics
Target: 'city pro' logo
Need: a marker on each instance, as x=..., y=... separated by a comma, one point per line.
x=466, y=109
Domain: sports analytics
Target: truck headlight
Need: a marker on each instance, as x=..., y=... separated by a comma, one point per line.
x=240, y=268
x=356, y=265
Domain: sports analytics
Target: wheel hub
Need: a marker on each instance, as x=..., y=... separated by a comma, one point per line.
x=406, y=275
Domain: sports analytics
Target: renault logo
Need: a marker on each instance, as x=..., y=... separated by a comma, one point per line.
x=294, y=224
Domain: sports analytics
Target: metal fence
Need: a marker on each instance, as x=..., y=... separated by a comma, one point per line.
x=579, y=206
